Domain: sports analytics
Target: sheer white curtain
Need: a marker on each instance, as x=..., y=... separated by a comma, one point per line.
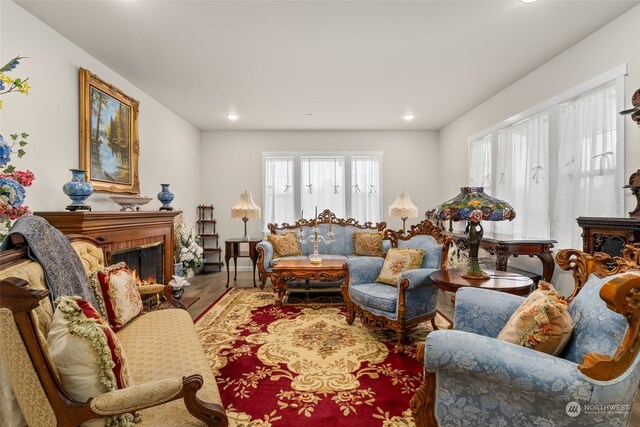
x=279, y=191
x=480, y=163
x=587, y=153
x=522, y=176
x=365, y=188
x=322, y=185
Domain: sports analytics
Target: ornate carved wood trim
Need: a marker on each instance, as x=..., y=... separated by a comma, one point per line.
x=424, y=228
x=422, y=404
x=323, y=218
x=622, y=295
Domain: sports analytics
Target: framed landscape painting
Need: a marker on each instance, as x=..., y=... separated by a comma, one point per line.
x=109, y=144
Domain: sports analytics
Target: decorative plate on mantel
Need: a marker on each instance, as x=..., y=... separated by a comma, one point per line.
x=132, y=203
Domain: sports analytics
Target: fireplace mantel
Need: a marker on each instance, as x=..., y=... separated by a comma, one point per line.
x=120, y=230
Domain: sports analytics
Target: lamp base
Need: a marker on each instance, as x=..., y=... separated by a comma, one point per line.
x=474, y=272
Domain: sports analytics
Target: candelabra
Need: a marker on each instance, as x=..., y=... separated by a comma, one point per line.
x=315, y=238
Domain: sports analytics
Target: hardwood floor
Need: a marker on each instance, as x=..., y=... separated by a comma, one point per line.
x=210, y=286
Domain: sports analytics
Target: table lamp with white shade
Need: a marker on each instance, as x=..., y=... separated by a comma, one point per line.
x=403, y=208
x=245, y=208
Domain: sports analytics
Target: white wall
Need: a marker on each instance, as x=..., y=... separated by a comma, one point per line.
x=612, y=45
x=231, y=162
x=169, y=146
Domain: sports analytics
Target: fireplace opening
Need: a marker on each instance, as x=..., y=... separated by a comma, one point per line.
x=146, y=260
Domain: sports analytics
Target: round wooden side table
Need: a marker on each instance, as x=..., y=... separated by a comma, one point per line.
x=502, y=281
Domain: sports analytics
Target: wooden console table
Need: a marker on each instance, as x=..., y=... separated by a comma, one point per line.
x=288, y=270
x=232, y=249
x=505, y=245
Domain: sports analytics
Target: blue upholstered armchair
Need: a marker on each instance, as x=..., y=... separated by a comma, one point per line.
x=413, y=300
x=472, y=378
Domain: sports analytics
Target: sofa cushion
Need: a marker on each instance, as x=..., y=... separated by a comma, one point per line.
x=432, y=249
x=284, y=245
x=367, y=244
x=597, y=329
x=122, y=300
x=177, y=352
x=374, y=295
x=542, y=322
x=398, y=261
x=86, y=352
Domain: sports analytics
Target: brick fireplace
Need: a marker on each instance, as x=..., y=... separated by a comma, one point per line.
x=121, y=233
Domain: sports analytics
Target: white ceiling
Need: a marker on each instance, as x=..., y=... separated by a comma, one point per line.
x=353, y=65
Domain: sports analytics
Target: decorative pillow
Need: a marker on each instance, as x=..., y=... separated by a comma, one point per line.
x=398, y=261
x=122, y=300
x=542, y=322
x=285, y=244
x=367, y=244
x=87, y=354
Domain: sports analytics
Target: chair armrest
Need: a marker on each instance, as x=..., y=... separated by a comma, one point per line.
x=266, y=254
x=484, y=311
x=137, y=397
x=489, y=360
x=145, y=290
x=417, y=278
x=364, y=269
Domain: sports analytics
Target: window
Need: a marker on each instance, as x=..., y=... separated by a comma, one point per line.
x=556, y=163
x=349, y=184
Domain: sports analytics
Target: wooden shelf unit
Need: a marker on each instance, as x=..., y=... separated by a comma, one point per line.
x=209, y=239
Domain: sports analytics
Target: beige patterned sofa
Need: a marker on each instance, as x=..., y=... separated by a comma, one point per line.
x=173, y=383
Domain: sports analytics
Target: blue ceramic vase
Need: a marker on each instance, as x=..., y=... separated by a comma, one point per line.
x=78, y=190
x=165, y=197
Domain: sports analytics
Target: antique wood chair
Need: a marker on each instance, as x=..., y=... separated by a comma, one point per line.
x=506, y=384
x=413, y=299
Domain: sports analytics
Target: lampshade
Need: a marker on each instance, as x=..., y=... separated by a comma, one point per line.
x=245, y=207
x=474, y=205
x=403, y=207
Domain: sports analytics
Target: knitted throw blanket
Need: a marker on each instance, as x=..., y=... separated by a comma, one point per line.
x=62, y=266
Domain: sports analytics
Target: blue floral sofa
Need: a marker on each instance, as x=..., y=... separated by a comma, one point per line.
x=472, y=378
x=343, y=247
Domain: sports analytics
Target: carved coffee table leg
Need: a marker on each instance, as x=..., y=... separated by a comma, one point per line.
x=502, y=256
x=279, y=287
x=548, y=265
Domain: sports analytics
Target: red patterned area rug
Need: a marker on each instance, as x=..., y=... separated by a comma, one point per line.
x=304, y=366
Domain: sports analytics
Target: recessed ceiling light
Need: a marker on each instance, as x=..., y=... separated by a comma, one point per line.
x=232, y=117
x=409, y=117
x=528, y=1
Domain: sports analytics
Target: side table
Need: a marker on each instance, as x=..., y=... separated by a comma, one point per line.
x=451, y=280
x=505, y=245
x=233, y=249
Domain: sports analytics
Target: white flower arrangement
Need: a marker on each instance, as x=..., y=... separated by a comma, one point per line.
x=190, y=251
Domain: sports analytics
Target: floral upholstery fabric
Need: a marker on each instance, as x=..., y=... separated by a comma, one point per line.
x=398, y=261
x=120, y=294
x=484, y=313
x=502, y=384
x=137, y=397
x=367, y=244
x=542, y=322
x=597, y=329
x=285, y=244
x=432, y=249
x=171, y=331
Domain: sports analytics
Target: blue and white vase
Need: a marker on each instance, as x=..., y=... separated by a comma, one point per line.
x=78, y=190
x=165, y=197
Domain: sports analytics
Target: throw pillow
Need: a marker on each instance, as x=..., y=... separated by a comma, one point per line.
x=367, y=244
x=87, y=354
x=285, y=244
x=122, y=300
x=398, y=261
x=542, y=322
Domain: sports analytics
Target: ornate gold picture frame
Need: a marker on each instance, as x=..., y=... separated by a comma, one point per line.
x=109, y=145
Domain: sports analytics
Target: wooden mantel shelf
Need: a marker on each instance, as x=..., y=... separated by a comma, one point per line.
x=117, y=230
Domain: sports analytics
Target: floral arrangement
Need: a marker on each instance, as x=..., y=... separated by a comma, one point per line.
x=12, y=181
x=188, y=252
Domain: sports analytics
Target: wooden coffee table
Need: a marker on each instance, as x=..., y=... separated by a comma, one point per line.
x=502, y=281
x=285, y=271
